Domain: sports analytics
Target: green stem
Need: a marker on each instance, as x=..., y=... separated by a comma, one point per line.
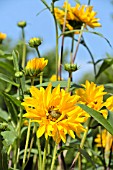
x=39, y=152
x=68, y=82
x=77, y=46
x=24, y=49
x=82, y=142
x=41, y=77
x=26, y=145
x=72, y=47
x=56, y=29
x=54, y=157
x=62, y=44
x=44, y=155
x=37, y=50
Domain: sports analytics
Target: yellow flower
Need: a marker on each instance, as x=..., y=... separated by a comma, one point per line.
x=76, y=16
x=104, y=140
x=55, y=112
x=35, y=66
x=2, y=36
x=54, y=78
x=92, y=96
x=109, y=103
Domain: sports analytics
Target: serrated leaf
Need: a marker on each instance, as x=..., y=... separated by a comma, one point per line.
x=98, y=117
x=8, y=80
x=3, y=115
x=106, y=63
x=87, y=156
x=9, y=136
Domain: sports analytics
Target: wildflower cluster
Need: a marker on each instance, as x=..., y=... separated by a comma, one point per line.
x=44, y=111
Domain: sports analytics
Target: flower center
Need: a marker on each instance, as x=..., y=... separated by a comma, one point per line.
x=53, y=114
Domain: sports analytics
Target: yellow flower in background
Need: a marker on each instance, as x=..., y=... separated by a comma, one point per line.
x=104, y=140
x=76, y=16
x=35, y=66
x=2, y=36
x=109, y=103
x=55, y=112
x=92, y=96
x=54, y=78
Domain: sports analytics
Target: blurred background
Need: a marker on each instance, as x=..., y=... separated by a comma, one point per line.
x=42, y=25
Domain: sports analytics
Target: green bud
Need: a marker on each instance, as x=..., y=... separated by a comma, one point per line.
x=35, y=42
x=19, y=74
x=70, y=67
x=22, y=24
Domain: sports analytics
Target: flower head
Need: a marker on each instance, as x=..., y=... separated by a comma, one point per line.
x=22, y=24
x=76, y=16
x=35, y=66
x=35, y=42
x=2, y=37
x=54, y=78
x=92, y=96
x=104, y=140
x=55, y=112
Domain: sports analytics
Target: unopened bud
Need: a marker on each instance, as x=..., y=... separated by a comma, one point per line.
x=70, y=67
x=35, y=42
x=22, y=24
x=19, y=74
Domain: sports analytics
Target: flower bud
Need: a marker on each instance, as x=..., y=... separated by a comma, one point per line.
x=2, y=37
x=35, y=42
x=19, y=74
x=35, y=66
x=70, y=67
x=22, y=24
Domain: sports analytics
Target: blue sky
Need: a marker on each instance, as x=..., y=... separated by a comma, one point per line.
x=12, y=11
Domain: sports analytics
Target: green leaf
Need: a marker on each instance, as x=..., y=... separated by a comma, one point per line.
x=62, y=84
x=3, y=157
x=3, y=115
x=87, y=156
x=9, y=136
x=13, y=99
x=6, y=67
x=106, y=63
x=12, y=110
x=8, y=80
x=41, y=11
x=77, y=1
x=98, y=117
x=110, y=117
x=109, y=87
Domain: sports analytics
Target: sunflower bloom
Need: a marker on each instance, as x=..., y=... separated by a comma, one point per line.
x=92, y=96
x=76, y=16
x=55, y=112
x=35, y=66
x=105, y=140
x=2, y=37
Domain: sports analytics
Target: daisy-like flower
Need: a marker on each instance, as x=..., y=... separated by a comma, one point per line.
x=105, y=140
x=109, y=103
x=2, y=37
x=92, y=96
x=55, y=112
x=35, y=66
x=76, y=16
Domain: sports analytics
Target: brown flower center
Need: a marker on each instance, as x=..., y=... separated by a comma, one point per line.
x=53, y=114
